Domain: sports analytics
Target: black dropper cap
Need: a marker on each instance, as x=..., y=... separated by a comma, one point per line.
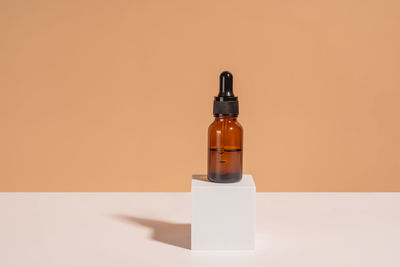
x=226, y=103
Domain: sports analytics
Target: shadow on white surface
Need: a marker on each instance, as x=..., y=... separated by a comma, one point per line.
x=175, y=234
x=200, y=177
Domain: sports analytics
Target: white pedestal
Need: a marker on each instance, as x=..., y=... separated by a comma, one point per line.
x=223, y=215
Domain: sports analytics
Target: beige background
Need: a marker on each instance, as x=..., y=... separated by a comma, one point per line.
x=117, y=95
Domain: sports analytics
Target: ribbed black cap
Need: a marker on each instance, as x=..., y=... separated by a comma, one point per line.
x=226, y=103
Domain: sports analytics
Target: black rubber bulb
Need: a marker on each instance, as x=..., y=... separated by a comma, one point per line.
x=226, y=84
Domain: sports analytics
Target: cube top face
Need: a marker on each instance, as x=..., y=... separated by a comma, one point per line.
x=223, y=215
x=201, y=181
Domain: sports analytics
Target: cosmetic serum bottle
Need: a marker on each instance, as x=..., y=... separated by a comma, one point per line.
x=225, y=136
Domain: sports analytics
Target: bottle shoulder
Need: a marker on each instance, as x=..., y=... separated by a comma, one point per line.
x=229, y=124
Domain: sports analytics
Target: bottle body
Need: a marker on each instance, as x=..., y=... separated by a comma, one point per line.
x=225, y=150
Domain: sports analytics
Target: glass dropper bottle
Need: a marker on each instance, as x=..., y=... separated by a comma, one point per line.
x=225, y=136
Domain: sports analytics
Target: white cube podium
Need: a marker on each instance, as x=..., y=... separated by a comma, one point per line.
x=223, y=214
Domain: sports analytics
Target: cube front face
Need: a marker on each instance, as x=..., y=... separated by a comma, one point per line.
x=223, y=216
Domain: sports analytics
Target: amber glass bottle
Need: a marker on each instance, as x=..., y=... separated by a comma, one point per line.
x=225, y=136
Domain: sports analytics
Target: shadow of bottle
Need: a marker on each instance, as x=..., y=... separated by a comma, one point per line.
x=175, y=234
x=200, y=177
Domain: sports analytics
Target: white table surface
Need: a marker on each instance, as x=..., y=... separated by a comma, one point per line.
x=153, y=229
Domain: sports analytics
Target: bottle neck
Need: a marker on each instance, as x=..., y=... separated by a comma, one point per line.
x=225, y=117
